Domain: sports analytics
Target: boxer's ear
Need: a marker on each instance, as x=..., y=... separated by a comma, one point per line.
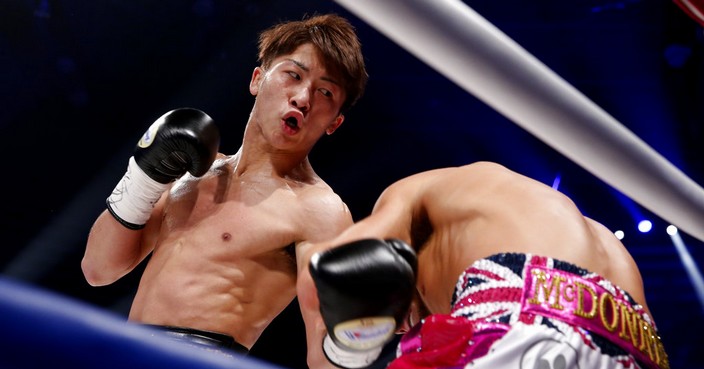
x=335, y=124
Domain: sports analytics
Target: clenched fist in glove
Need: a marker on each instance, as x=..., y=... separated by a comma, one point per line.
x=182, y=140
x=365, y=289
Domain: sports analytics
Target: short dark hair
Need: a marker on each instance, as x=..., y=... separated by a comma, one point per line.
x=336, y=39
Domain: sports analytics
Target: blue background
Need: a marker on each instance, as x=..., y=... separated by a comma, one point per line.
x=81, y=80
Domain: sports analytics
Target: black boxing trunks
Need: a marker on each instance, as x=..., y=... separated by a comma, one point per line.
x=208, y=340
x=524, y=311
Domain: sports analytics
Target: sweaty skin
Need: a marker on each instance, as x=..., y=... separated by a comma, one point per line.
x=455, y=216
x=224, y=246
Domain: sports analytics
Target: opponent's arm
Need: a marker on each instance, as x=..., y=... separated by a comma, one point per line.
x=180, y=141
x=364, y=289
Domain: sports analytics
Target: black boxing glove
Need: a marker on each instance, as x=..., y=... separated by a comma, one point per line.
x=365, y=289
x=182, y=140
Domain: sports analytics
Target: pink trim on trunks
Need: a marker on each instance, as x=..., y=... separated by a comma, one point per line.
x=498, y=291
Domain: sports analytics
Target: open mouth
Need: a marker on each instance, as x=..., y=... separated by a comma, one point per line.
x=291, y=122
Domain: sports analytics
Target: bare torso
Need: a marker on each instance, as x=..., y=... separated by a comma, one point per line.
x=484, y=209
x=224, y=253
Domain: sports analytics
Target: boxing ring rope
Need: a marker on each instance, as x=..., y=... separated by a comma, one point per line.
x=41, y=329
x=467, y=49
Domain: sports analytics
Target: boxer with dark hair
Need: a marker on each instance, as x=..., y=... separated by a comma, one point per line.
x=510, y=274
x=223, y=231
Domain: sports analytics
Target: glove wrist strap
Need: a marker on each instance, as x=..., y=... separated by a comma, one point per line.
x=132, y=200
x=345, y=358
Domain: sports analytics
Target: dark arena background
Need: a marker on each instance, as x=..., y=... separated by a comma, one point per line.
x=81, y=80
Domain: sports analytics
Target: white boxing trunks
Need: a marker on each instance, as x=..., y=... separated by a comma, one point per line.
x=516, y=310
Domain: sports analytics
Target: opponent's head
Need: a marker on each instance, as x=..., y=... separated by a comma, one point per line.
x=333, y=36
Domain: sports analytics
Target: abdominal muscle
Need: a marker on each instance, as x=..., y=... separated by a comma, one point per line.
x=220, y=264
x=208, y=287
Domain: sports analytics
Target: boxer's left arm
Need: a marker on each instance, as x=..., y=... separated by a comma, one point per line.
x=310, y=309
x=316, y=329
x=389, y=219
x=363, y=289
x=328, y=217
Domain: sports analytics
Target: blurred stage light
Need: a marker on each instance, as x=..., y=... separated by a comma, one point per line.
x=690, y=266
x=644, y=226
x=672, y=230
x=556, y=182
x=677, y=55
x=619, y=234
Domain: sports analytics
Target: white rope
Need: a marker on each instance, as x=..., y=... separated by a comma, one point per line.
x=470, y=51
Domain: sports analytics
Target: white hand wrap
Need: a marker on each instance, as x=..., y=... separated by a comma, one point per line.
x=133, y=199
x=345, y=358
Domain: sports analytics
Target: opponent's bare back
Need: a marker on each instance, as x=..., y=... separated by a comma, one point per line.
x=463, y=214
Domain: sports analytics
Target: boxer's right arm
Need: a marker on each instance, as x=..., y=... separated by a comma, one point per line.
x=180, y=141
